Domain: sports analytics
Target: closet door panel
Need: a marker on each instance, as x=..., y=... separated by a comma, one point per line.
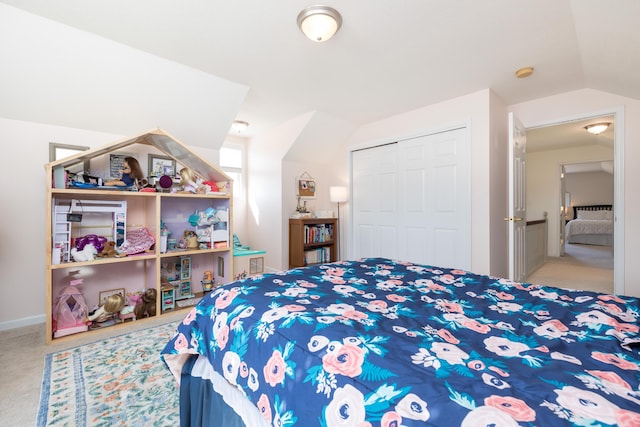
x=421, y=212
x=374, y=189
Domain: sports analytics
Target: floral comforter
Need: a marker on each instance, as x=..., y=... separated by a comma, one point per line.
x=377, y=342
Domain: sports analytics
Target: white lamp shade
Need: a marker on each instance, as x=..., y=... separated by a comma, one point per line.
x=338, y=194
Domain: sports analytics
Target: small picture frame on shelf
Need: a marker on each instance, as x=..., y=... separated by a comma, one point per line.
x=161, y=165
x=104, y=295
x=305, y=186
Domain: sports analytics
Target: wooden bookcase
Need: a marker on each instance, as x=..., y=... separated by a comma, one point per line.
x=312, y=241
x=132, y=274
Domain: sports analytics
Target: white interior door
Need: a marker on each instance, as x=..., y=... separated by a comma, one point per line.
x=412, y=200
x=564, y=205
x=517, y=201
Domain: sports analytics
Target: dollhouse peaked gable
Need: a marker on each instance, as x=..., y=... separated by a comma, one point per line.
x=160, y=140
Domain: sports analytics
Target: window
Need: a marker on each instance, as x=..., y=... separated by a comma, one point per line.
x=60, y=151
x=231, y=162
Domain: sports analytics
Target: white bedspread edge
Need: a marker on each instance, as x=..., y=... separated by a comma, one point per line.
x=232, y=396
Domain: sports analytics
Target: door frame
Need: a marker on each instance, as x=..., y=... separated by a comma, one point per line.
x=618, y=184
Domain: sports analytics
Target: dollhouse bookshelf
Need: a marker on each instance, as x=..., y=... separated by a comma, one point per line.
x=160, y=212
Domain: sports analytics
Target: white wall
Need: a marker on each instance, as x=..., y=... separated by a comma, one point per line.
x=22, y=229
x=472, y=111
x=275, y=159
x=588, y=103
x=589, y=188
x=499, y=187
x=267, y=207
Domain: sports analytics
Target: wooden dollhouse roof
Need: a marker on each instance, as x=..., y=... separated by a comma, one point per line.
x=163, y=142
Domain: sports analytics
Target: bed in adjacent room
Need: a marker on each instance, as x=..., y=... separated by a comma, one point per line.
x=592, y=225
x=378, y=342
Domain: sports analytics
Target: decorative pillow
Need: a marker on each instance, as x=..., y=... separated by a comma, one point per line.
x=583, y=214
x=608, y=215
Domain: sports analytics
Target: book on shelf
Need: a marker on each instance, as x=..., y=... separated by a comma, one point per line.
x=317, y=256
x=318, y=233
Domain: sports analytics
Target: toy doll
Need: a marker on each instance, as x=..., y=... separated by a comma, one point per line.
x=130, y=173
x=113, y=304
x=192, y=183
x=189, y=180
x=147, y=306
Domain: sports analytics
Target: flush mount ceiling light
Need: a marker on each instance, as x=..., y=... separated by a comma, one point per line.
x=319, y=23
x=597, y=128
x=524, y=72
x=239, y=126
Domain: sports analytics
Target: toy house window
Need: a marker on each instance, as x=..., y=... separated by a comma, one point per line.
x=60, y=151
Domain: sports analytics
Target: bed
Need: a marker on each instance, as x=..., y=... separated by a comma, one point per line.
x=592, y=225
x=378, y=342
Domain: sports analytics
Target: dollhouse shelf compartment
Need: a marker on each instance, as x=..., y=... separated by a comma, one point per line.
x=140, y=209
x=63, y=208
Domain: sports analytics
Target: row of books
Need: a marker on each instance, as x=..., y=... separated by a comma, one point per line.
x=318, y=233
x=316, y=256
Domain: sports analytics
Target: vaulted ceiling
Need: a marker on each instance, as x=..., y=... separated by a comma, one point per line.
x=389, y=56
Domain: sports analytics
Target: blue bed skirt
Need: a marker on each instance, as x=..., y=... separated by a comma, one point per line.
x=201, y=405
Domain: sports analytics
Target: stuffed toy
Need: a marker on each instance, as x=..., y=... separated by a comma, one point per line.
x=108, y=250
x=86, y=254
x=147, y=306
x=95, y=240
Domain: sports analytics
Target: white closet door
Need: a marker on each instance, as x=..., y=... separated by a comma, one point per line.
x=422, y=214
x=435, y=200
x=375, y=202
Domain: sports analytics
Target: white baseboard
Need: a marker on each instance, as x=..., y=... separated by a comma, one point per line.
x=25, y=321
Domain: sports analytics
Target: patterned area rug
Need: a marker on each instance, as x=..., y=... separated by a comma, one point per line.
x=119, y=381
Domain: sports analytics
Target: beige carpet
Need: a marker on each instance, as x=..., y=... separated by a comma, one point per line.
x=586, y=267
x=22, y=352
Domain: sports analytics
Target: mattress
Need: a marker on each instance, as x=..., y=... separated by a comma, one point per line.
x=590, y=231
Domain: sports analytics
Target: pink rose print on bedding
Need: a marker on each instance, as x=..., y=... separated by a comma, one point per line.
x=391, y=419
x=264, y=407
x=446, y=335
x=611, y=378
x=344, y=360
x=275, y=368
x=552, y=329
x=612, y=359
x=626, y=418
x=181, y=343
x=519, y=410
x=225, y=298
x=476, y=326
